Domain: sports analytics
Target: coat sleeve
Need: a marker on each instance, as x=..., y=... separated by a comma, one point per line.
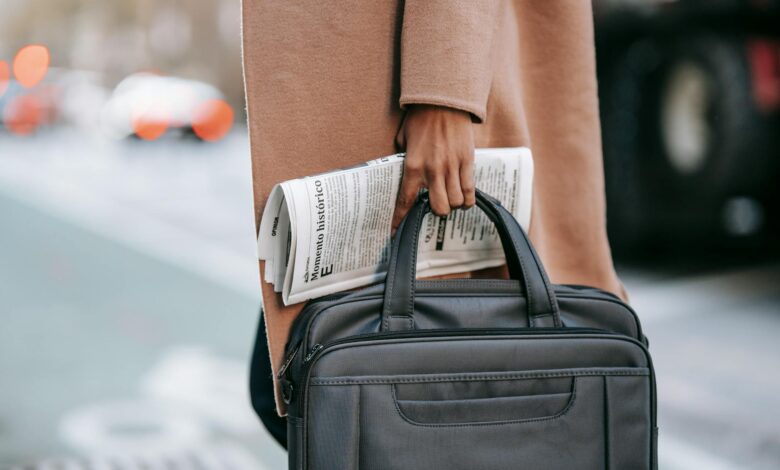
x=446, y=53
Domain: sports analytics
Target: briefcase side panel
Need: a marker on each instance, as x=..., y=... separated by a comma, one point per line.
x=629, y=422
x=295, y=452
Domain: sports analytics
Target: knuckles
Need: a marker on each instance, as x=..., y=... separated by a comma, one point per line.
x=404, y=201
x=413, y=166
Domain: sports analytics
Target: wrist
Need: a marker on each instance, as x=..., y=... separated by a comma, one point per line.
x=432, y=109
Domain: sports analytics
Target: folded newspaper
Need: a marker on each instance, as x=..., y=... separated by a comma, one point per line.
x=331, y=232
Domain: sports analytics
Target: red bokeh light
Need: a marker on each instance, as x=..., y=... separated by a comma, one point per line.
x=5, y=75
x=23, y=115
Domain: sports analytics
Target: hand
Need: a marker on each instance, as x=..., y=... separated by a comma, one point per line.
x=439, y=145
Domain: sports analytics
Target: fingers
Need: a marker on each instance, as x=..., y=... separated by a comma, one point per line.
x=439, y=145
x=454, y=191
x=411, y=182
x=450, y=183
x=444, y=189
x=468, y=182
x=435, y=166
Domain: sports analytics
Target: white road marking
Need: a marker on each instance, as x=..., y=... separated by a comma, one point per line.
x=189, y=398
x=207, y=456
x=195, y=378
x=675, y=454
x=131, y=426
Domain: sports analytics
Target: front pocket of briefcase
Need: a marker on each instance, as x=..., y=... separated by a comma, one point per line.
x=547, y=430
x=488, y=401
x=541, y=419
x=417, y=404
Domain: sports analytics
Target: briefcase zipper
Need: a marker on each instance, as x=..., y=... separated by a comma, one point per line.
x=288, y=361
x=294, y=353
x=439, y=332
x=317, y=350
x=567, y=290
x=314, y=350
x=449, y=332
x=564, y=290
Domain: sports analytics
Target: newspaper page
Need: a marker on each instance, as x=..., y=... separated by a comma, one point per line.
x=331, y=232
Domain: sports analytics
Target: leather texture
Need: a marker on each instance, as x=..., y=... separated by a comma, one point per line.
x=469, y=373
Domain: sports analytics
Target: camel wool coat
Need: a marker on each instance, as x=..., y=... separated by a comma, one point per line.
x=327, y=84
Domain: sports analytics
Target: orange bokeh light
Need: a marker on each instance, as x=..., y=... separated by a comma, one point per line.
x=23, y=115
x=31, y=64
x=149, y=127
x=5, y=75
x=212, y=120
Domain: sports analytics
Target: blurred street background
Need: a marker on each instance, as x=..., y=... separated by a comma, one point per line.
x=128, y=273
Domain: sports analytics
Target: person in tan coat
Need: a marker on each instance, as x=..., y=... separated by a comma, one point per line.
x=333, y=83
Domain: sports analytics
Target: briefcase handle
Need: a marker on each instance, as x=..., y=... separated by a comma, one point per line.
x=522, y=261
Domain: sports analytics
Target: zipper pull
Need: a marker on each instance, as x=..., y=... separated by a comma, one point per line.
x=288, y=361
x=311, y=354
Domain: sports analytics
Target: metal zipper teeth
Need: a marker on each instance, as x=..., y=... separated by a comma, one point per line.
x=316, y=353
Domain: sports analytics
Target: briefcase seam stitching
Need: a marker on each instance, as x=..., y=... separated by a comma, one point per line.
x=407, y=318
x=357, y=426
x=560, y=414
x=475, y=378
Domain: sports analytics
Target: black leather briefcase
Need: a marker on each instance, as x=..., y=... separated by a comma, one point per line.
x=469, y=373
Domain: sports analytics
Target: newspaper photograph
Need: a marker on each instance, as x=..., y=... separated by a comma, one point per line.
x=330, y=232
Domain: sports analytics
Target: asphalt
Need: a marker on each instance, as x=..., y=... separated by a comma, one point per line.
x=107, y=349
x=129, y=297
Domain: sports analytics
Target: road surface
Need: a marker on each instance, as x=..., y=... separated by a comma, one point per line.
x=129, y=299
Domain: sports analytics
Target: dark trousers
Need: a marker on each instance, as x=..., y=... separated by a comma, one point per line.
x=261, y=387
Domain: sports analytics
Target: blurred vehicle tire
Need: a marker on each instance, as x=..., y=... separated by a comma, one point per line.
x=682, y=134
x=621, y=104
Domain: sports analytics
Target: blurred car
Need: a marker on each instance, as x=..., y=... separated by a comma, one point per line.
x=690, y=100
x=24, y=110
x=146, y=106
x=64, y=97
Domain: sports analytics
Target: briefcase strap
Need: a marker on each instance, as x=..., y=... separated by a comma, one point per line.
x=522, y=261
